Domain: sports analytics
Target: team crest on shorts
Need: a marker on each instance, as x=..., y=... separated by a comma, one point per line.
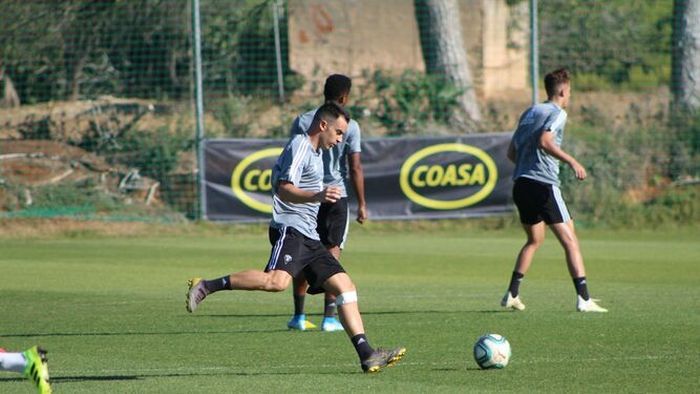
x=287, y=259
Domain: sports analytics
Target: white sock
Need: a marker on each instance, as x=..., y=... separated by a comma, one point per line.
x=13, y=362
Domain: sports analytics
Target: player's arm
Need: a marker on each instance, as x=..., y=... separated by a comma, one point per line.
x=290, y=193
x=511, y=152
x=549, y=145
x=358, y=182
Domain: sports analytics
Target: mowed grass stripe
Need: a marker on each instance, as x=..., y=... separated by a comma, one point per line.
x=111, y=312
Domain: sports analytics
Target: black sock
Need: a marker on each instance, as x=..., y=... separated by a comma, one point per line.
x=514, y=287
x=364, y=350
x=329, y=307
x=223, y=283
x=299, y=304
x=581, y=287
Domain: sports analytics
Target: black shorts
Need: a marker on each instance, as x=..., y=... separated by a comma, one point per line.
x=333, y=223
x=538, y=201
x=298, y=254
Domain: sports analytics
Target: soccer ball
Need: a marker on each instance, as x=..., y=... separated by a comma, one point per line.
x=492, y=351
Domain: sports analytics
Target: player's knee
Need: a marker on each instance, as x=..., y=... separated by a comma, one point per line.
x=277, y=282
x=570, y=244
x=535, y=242
x=345, y=298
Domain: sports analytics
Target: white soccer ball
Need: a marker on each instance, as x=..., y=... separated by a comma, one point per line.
x=492, y=351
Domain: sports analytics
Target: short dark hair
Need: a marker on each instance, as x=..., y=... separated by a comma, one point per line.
x=337, y=85
x=333, y=110
x=554, y=80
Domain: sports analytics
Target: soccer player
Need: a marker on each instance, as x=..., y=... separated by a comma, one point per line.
x=536, y=151
x=333, y=217
x=297, y=180
x=32, y=363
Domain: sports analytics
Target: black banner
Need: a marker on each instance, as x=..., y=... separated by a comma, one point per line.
x=405, y=178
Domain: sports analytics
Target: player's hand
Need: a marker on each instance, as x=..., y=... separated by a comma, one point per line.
x=578, y=170
x=361, y=214
x=330, y=194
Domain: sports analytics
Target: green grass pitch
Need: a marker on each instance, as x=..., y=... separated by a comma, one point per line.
x=110, y=310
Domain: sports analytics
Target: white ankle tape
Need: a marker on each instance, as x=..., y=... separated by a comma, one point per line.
x=346, y=298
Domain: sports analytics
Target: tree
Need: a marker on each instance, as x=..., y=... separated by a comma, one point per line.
x=686, y=55
x=596, y=41
x=444, y=54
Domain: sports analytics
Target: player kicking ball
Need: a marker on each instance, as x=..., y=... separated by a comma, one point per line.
x=297, y=180
x=31, y=363
x=535, y=150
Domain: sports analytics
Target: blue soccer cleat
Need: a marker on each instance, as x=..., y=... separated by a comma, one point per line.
x=331, y=324
x=299, y=322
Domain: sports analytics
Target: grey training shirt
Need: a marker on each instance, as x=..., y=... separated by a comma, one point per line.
x=335, y=167
x=532, y=161
x=301, y=165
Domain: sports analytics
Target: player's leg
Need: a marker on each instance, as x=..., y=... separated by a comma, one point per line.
x=528, y=196
x=371, y=360
x=330, y=322
x=557, y=216
x=535, y=237
x=285, y=262
x=333, y=223
x=32, y=363
x=566, y=235
x=569, y=241
x=535, y=234
x=252, y=280
x=299, y=320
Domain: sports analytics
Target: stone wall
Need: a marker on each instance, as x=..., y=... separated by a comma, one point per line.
x=349, y=36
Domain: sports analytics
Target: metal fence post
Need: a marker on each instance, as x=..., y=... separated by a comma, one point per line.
x=534, y=56
x=276, y=4
x=199, y=107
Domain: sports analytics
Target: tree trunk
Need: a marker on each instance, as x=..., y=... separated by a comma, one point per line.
x=686, y=55
x=9, y=97
x=444, y=54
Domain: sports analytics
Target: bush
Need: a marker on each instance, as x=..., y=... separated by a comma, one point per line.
x=232, y=112
x=408, y=103
x=155, y=153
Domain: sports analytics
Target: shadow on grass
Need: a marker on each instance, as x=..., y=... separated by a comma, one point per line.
x=201, y=316
x=132, y=377
x=287, y=315
x=98, y=334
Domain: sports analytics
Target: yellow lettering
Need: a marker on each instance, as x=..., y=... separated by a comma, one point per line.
x=248, y=183
x=434, y=175
x=415, y=179
x=450, y=177
x=264, y=182
x=479, y=175
x=464, y=170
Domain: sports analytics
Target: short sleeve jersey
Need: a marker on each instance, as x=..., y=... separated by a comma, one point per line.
x=532, y=161
x=301, y=165
x=335, y=163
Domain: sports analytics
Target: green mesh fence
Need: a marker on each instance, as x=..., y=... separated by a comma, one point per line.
x=97, y=114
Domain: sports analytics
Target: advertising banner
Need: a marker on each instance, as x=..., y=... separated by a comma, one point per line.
x=405, y=178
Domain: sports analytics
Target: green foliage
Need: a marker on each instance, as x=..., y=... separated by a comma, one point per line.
x=413, y=100
x=239, y=48
x=154, y=153
x=684, y=146
x=82, y=49
x=82, y=198
x=638, y=176
x=598, y=41
x=232, y=113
